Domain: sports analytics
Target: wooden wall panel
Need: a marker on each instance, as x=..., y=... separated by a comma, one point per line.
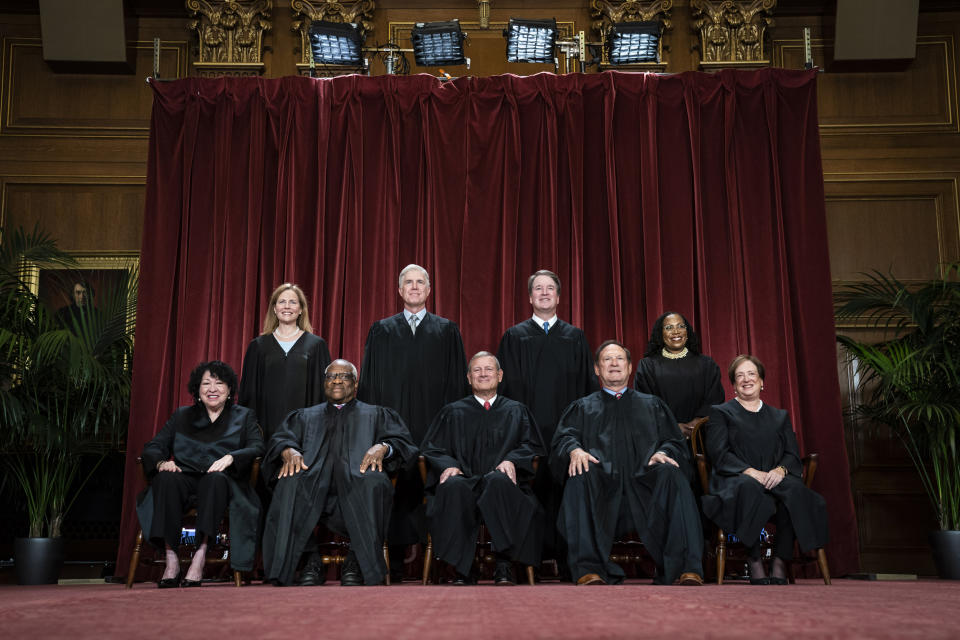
x=922, y=99
x=38, y=102
x=80, y=214
x=905, y=224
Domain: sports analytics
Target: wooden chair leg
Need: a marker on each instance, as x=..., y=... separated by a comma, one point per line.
x=134, y=559
x=386, y=558
x=530, y=575
x=824, y=567
x=721, y=555
x=427, y=559
x=237, y=578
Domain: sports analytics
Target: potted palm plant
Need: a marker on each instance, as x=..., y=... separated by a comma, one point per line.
x=910, y=380
x=64, y=393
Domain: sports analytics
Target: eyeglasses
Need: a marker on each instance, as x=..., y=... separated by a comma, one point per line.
x=338, y=375
x=671, y=327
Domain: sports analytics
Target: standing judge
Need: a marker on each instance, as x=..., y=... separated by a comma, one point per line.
x=326, y=464
x=625, y=459
x=283, y=367
x=674, y=370
x=547, y=364
x=756, y=475
x=413, y=362
x=480, y=452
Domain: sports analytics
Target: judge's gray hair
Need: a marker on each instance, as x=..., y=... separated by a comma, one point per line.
x=482, y=354
x=543, y=272
x=342, y=362
x=411, y=267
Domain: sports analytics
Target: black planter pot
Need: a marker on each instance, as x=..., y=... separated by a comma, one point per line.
x=946, y=553
x=38, y=560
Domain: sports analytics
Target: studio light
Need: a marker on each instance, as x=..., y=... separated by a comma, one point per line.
x=634, y=42
x=336, y=43
x=531, y=40
x=438, y=43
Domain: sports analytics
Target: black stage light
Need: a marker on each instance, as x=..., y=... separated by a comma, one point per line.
x=336, y=43
x=531, y=40
x=438, y=43
x=633, y=42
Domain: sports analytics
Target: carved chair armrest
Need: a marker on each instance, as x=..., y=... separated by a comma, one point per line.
x=810, y=463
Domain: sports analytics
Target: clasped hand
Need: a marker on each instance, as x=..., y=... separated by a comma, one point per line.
x=769, y=479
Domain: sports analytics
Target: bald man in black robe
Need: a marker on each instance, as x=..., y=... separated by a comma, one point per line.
x=327, y=464
x=480, y=452
x=546, y=369
x=413, y=362
x=627, y=467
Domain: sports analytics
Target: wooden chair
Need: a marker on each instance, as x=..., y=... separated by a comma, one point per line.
x=810, y=463
x=218, y=554
x=484, y=544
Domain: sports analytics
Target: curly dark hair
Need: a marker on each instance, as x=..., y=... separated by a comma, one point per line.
x=656, y=343
x=220, y=370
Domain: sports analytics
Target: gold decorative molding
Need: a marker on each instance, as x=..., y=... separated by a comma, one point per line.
x=359, y=12
x=731, y=32
x=230, y=34
x=607, y=12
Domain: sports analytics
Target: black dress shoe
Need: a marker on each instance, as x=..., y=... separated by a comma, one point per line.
x=170, y=583
x=503, y=574
x=776, y=580
x=463, y=581
x=312, y=575
x=351, y=576
x=759, y=580
x=190, y=583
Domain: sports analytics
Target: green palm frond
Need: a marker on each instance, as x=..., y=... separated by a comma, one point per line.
x=911, y=381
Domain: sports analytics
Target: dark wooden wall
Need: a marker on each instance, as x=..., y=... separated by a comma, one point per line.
x=73, y=151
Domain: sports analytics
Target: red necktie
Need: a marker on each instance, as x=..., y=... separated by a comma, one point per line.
x=486, y=405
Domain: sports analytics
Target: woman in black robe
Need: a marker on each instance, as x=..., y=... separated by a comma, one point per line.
x=283, y=367
x=757, y=475
x=674, y=370
x=204, y=450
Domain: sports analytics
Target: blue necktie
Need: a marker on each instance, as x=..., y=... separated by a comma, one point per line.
x=546, y=327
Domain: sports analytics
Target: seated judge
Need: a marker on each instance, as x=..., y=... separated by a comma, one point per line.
x=204, y=450
x=756, y=475
x=628, y=470
x=480, y=452
x=674, y=370
x=327, y=464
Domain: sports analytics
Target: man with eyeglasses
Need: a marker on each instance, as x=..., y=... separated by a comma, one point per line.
x=480, y=451
x=328, y=464
x=627, y=471
x=413, y=362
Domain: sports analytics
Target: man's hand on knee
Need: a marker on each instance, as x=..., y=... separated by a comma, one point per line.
x=292, y=463
x=580, y=462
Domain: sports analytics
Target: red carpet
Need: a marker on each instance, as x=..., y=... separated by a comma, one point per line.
x=847, y=609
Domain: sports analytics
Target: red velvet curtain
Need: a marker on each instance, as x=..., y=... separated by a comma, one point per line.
x=697, y=193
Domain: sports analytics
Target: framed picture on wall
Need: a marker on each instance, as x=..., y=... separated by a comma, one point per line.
x=95, y=279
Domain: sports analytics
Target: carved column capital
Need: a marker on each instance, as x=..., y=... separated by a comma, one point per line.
x=732, y=32
x=230, y=34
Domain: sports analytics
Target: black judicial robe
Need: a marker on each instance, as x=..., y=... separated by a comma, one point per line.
x=333, y=443
x=737, y=439
x=274, y=383
x=195, y=443
x=416, y=375
x=654, y=501
x=689, y=385
x=546, y=371
x=476, y=440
